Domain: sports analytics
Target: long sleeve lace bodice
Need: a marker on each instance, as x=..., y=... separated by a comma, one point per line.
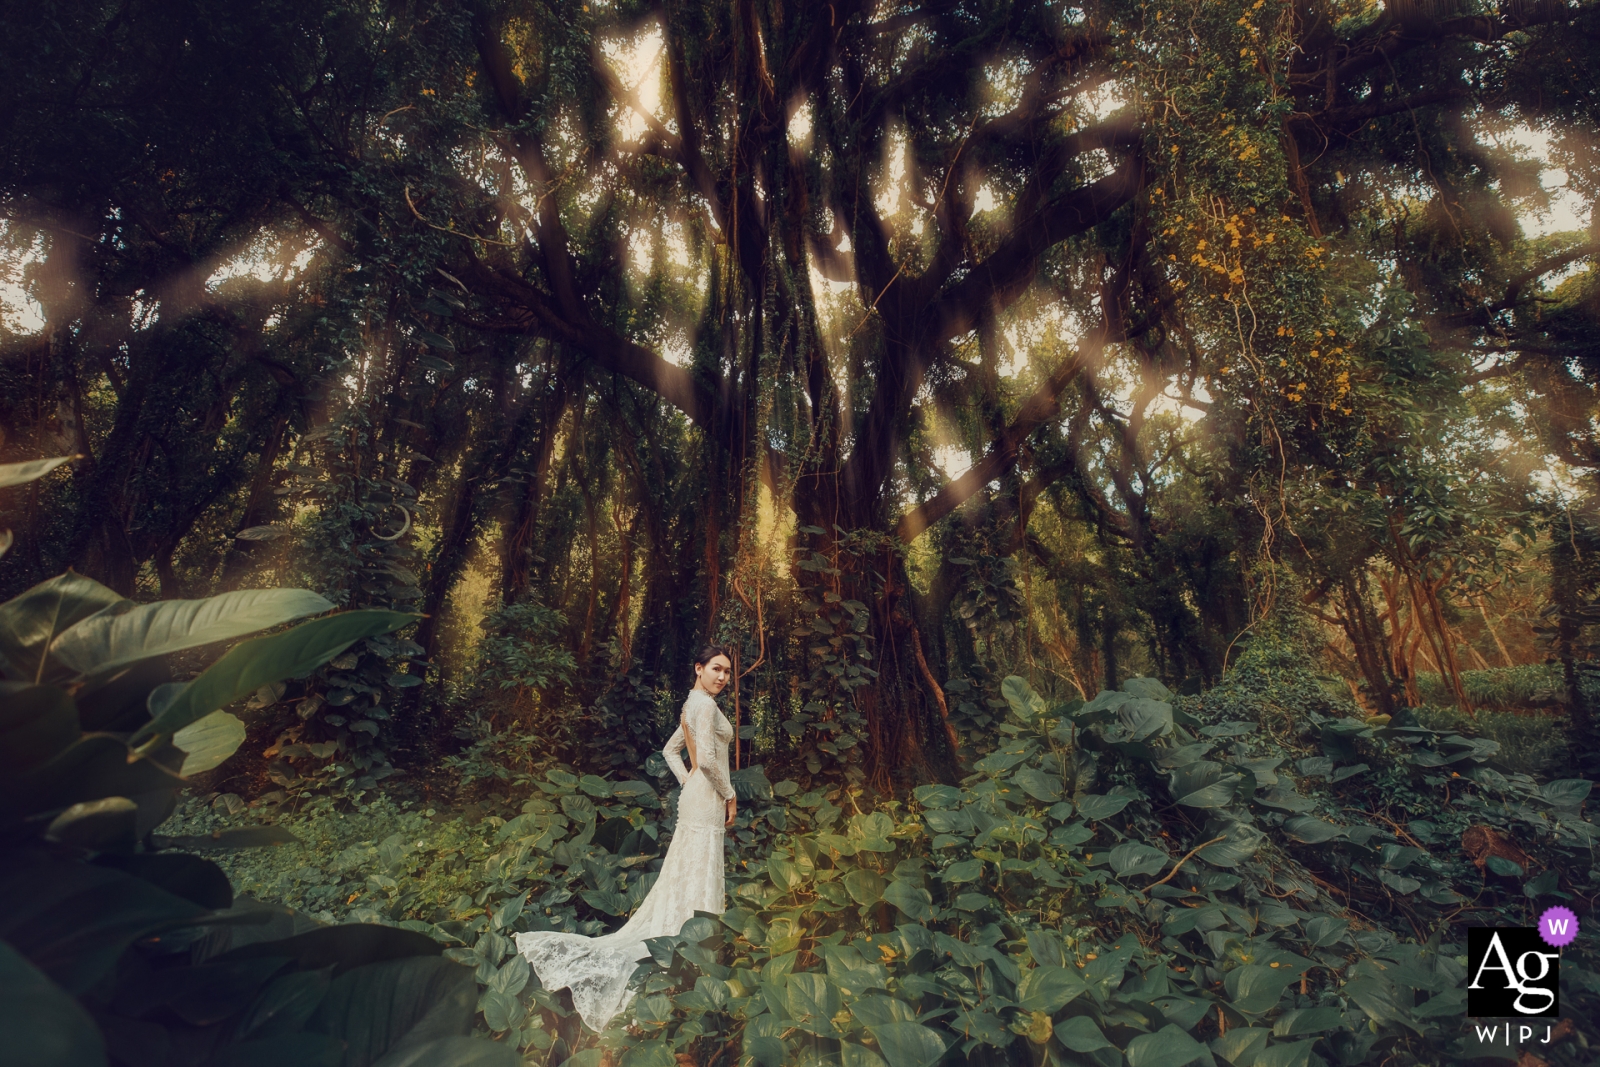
x=712, y=733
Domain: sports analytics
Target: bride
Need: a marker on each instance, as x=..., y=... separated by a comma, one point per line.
x=597, y=969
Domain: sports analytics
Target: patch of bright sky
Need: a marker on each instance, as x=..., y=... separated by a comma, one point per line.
x=262, y=260
x=1103, y=100
x=19, y=312
x=637, y=62
x=889, y=199
x=1567, y=210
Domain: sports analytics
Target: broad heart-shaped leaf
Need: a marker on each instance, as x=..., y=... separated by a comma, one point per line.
x=1239, y=842
x=376, y=1007
x=1080, y=1034
x=963, y=871
x=813, y=1001
x=1102, y=707
x=1027, y=704
x=1167, y=1047
x=39, y=1022
x=1149, y=688
x=864, y=886
x=451, y=1052
x=1045, y=788
x=908, y=1044
x=937, y=796
x=37, y=722
x=1311, y=831
x=208, y=742
x=22, y=473
x=1566, y=792
x=252, y=664
x=1133, y=857
x=29, y=622
x=915, y=902
x=1255, y=987
x=1094, y=807
x=854, y=1055
x=1241, y=1044
x=1204, y=784
x=1144, y=718
x=105, y=642
x=1048, y=989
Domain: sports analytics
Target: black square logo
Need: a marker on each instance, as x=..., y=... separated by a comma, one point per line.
x=1510, y=972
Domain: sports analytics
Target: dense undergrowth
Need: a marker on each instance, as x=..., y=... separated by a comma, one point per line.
x=1252, y=876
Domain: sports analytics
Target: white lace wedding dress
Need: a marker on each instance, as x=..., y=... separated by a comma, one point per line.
x=597, y=969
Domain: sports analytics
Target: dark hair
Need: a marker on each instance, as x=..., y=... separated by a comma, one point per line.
x=709, y=652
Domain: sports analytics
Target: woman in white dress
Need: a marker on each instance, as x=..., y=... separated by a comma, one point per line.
x=597, y=969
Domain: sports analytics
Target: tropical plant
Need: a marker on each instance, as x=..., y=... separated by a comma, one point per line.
x=118, y=944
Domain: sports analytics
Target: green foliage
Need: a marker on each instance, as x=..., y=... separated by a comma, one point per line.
x=115, y=948
x=1120, y=873
x=520, y=649
x=1530, y=685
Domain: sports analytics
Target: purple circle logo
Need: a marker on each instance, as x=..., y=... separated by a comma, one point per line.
x=1558, y=927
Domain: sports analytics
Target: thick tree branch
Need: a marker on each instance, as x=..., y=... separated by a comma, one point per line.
x=1042, y=406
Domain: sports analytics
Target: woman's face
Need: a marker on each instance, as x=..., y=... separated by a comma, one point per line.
x=714, y=675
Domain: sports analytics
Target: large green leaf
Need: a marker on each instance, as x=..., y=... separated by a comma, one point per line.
x=1307, y=1021
x=1568, y=793
x=29, y=622
x=1045, y=788
x=39, y=1022
x=344, y=947
x=1048, y=989
x=73, y=921
x=1027, y=704
x=1239, y=842
x=252, y=664
x=99, y=825
x=908, y=1044
x=864, y=886
x=1311, y=830
x=1133, y=857
x=813, y=1001
x=107, y=641
x=1204, y=784
x=34, y=469
x=208, y=742
x=917, y=903
x=1167, y=1047
x=1094, y=807
x=1143, y=718
x=37, y=722
x=1241, y=1045
x=396, y=1004
x=94, y=766
x=1255, y=988
x=854, y=1055
x=1080, y=1034
x=1294, y=1054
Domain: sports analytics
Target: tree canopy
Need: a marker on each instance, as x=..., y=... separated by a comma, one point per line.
x=821, y=327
